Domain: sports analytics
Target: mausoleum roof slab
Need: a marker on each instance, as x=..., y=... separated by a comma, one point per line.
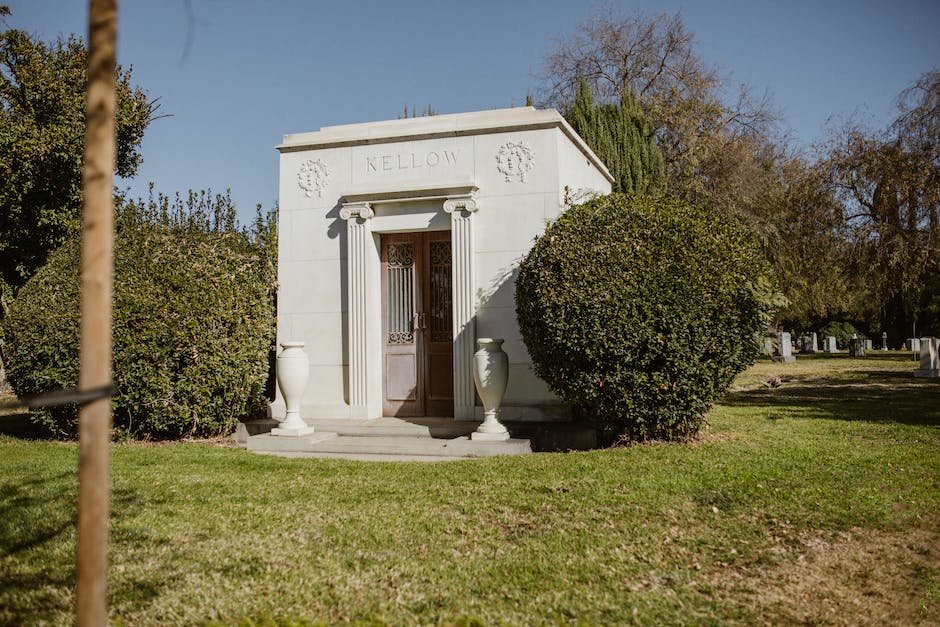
x=439, y=126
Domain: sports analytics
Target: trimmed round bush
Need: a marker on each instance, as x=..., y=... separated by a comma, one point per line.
x=193, y=323
x=640, y=311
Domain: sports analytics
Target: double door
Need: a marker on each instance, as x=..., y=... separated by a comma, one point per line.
x=417, y=325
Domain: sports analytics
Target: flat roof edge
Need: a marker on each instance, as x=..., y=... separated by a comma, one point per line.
x=438, y=127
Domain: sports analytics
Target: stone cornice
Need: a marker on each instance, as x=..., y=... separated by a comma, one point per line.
x=409, y=193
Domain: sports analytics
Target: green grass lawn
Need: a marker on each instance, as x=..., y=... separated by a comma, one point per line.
x=814, y=502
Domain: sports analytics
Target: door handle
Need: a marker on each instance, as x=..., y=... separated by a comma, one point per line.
x=420, y=322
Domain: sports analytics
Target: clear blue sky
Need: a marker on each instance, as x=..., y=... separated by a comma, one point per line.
x=236, y=75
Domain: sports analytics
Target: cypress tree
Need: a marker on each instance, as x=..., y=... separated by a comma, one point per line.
x=623, y=138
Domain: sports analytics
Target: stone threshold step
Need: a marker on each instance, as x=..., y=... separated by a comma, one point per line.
x=392, y=427
x=322, y=444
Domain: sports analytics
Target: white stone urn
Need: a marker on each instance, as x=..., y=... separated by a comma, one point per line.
x=490, y=374
x=293, y=370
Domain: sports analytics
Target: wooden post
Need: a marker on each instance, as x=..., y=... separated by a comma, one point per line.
x=95, y=331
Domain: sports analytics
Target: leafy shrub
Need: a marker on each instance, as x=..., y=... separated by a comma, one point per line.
x=193, y=323
x=640, y=311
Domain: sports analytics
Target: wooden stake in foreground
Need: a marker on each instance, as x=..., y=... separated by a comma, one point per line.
x=94, y=430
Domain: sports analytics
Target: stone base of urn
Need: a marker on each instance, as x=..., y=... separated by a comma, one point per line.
x=292, y=432
x=490, y=437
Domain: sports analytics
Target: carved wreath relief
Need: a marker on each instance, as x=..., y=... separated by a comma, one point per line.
x=313, y=176
x=515, y=159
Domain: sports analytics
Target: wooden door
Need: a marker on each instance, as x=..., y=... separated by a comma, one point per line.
x=417, y=315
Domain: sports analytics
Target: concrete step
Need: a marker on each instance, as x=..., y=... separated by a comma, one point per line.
x=384, y=447
x=543, y=436
x=392, y=427
x=398, y=427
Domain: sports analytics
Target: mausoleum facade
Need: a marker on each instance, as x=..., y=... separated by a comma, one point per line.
x=399, y=244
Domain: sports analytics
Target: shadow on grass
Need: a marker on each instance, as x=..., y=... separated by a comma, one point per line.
x=38, y=521
x=867, y=395
x=31, y=511
x=19, y=425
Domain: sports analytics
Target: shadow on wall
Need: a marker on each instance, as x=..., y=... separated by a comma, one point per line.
x=337, y=230
x=530, y=398
x=501, y=292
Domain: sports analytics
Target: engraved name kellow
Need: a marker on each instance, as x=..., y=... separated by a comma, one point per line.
x=410, y=160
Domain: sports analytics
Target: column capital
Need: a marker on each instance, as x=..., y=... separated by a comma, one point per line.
x=356, y=210
x=466, y=202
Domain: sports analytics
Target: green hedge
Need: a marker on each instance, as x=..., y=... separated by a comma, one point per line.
x=193, y=323
x=640, y=311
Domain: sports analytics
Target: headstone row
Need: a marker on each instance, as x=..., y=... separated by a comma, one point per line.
x=810, y=343
x=782, y=348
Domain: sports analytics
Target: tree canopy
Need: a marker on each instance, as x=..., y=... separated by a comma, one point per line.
x=888, y=184
x=42, y=133
x=852, y=230
x=698, y=126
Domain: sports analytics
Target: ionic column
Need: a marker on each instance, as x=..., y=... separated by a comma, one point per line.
x=464, y=285
x=358, y=233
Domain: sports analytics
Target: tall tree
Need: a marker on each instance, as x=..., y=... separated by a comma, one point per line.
x=696, y=122
x=889, y=185
x=796, y=217
x=623, y=138
x=42, y=125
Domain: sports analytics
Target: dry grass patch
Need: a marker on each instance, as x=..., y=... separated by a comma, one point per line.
x=855, y=577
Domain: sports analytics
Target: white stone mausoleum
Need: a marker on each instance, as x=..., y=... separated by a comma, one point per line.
x=399, y=246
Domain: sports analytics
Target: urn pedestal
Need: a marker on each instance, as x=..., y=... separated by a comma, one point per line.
x=293, y=369
x=490, y=375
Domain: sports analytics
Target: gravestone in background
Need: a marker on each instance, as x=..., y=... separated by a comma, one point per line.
x=829, y=344
x=810, y=343
x=768, y=346
x=913, y=344
x=868, y=345
x=929, y=358
x=856, y=347
x=784, y=348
